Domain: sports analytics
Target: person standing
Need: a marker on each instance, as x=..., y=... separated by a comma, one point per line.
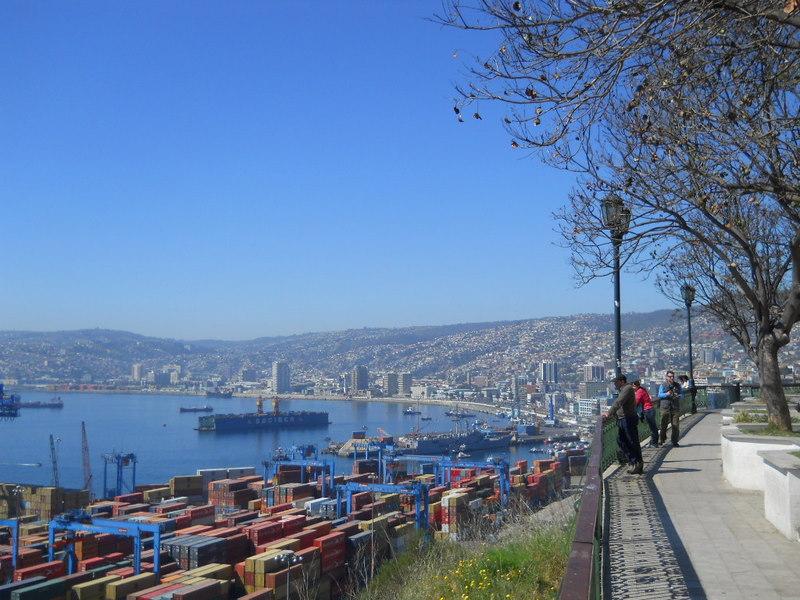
x=624, y=410
x=669, y=398
x=645, y=403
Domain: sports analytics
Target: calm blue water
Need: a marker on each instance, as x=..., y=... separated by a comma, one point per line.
x=166, y=443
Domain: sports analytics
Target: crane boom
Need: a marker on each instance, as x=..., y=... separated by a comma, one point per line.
x=87, y=464
x=54, y=461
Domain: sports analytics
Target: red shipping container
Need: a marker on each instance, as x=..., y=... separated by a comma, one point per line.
x=122, y=572
x=48, y=570
x=223, y=532
x=320, y=529
x=134, y=498
x=293, y=524
x=267, y=532
x=306, y=538
x=91, y=563
x=349, y=528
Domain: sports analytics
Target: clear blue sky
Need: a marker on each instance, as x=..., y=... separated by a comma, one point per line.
x=238, y=169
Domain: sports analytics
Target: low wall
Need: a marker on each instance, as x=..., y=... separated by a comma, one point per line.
x=742, y=466
x=782, y=491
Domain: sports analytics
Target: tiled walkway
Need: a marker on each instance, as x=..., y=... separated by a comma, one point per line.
x=682, y=531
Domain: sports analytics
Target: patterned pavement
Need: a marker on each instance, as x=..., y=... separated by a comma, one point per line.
x=641, y=560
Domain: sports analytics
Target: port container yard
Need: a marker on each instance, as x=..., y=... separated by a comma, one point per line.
x=231, y=533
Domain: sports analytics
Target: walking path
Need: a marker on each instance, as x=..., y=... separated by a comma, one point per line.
x=682, y=531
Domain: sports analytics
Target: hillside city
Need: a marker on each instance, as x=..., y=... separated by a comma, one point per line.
x=564, y=359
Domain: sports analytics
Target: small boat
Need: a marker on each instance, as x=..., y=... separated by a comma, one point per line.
x=425, y=418
x=195, y=409
x=462, y=455
x=411, y=411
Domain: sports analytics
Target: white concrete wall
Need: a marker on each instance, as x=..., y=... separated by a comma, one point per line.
x=742, y=467
x=782, y=501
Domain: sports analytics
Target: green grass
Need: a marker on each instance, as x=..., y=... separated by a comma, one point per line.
x=773, y=430
x=523, y=562
x=797, y=453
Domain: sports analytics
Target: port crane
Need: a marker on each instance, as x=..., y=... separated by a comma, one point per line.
x=121, y=462
x=416, y=489
x=444, y=473
x=311, y=468
x=87, y=464
x=13, y=526
x=54, y=460
x=81, y=521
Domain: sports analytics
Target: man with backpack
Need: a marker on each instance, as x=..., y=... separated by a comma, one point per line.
x=669, y=398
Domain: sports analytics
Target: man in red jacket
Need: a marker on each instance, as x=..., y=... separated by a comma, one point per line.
x=644, y=404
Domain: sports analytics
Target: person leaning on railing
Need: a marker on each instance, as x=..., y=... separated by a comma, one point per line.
x=624, y=410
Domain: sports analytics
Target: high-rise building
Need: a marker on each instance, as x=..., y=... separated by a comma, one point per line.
x=360, y=378
x=711, y=356
x=548, y=372
x=390, y=384
x=281, y=377
x=404, y=384
x=136, y=372
x=161, y=379
x=593, y=389
x=594, y=373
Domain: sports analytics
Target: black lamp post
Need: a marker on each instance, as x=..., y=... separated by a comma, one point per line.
x=617, y=219
x=687, y=292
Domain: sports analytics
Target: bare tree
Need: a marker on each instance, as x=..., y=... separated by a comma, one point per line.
x=558, y=64
x=688, y=112
x=712, y=180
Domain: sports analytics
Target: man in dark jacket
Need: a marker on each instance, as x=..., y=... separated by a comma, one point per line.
x=669, y=398
x=624, y=410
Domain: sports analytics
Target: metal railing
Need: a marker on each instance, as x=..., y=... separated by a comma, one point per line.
x=583, y=576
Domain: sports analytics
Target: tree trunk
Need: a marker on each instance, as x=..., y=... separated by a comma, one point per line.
x=772, y=384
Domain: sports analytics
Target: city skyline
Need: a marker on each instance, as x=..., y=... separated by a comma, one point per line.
x=265, y=184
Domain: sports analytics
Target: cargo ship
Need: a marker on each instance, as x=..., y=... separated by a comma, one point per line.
x=194, y=409
x=54, y=403
x=261, y=420
x=451, y=442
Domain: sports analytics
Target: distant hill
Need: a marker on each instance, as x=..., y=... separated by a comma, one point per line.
x=441, y=350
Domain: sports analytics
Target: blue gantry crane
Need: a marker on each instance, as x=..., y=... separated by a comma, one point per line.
x=308, y=467
x=13, y=526
x=444, y=473
x=417, y=489
x=79, y=520
x=121, y=462
x=390, y=462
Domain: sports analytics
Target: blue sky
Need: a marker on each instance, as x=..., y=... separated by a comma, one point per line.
x=238, y=169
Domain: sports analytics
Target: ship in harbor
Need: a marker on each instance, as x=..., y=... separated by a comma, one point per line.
x=54, y=403
x=262, y=420
x=194, y=409
x=474, y=440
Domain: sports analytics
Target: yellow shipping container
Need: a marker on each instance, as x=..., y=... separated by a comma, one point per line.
x=92, y=590
x=212, y=571
x=119, y=590
x=285, y=544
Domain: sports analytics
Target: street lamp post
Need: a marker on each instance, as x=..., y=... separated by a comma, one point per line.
x=688, y=292
x=617, y=219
